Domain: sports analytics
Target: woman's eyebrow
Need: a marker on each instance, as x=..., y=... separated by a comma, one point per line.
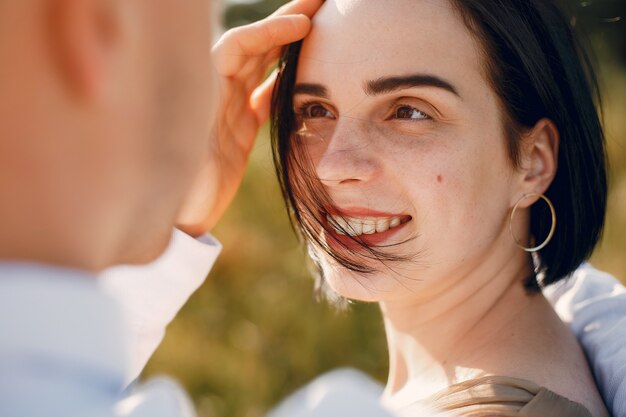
x=311, y=90
x=385, y=85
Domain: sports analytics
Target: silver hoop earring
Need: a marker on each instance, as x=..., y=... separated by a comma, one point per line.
x=550, y=234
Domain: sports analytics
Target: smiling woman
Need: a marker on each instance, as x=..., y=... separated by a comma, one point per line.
x=406, y=135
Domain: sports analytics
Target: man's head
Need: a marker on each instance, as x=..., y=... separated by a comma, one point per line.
x=105, y=112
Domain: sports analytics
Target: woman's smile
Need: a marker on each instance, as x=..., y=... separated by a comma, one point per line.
x=352, y=228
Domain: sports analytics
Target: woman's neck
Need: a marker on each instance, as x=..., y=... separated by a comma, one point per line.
x=443, y=339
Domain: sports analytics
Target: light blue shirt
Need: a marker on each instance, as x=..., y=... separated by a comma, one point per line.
x=62, y=348
x=70, y=342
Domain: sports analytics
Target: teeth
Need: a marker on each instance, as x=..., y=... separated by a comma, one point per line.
x=355, y=227
x=338, y=223
x=362, y=226
x=369, y=226
x=343, y=224
x=395, y=221
x=382, y=225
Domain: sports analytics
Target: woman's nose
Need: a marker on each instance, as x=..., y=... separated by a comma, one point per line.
x=349, y=157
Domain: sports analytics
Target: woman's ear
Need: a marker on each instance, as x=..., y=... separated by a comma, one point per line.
x=83, y=37
x=539, y=157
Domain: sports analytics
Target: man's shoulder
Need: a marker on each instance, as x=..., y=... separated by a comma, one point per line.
x=587, y=285
x=49, y=312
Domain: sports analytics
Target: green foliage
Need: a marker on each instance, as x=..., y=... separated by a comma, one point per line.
x=253, y=332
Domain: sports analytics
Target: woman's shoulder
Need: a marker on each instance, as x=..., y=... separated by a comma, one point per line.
x=541, y=349
x=504, y=396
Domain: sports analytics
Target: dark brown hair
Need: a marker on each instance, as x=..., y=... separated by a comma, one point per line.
x=537, y=67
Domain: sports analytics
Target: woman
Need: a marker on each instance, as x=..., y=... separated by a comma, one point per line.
x=427, y=149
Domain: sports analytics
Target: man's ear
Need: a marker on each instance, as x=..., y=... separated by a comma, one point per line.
x=539, y=158
x=84, y=35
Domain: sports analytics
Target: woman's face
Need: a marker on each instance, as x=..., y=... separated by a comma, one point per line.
x=402, y=127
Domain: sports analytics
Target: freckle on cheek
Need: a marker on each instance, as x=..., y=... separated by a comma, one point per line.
x=439, y=178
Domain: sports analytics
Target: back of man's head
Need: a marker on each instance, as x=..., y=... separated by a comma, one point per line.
x=104, y=120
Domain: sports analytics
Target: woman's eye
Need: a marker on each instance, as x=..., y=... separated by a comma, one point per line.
x=315, y=111
x=411, y=113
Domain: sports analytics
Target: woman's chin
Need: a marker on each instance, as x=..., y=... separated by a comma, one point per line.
x=357, y=286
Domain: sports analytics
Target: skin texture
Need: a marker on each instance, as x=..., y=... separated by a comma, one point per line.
x=116, y=123
x=458, y=309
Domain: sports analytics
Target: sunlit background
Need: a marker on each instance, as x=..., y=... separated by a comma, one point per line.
x=253, y=332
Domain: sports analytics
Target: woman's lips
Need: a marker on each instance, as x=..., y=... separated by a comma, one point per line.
x=357, y=227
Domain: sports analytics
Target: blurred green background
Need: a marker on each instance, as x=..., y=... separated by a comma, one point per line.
x=253, y=332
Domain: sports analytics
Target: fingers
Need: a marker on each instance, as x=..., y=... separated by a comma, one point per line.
x=305, y=7
x=261, y=98
x=237, y=45
x=254, y=78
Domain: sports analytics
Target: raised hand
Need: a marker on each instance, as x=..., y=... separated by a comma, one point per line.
x=242, y=57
